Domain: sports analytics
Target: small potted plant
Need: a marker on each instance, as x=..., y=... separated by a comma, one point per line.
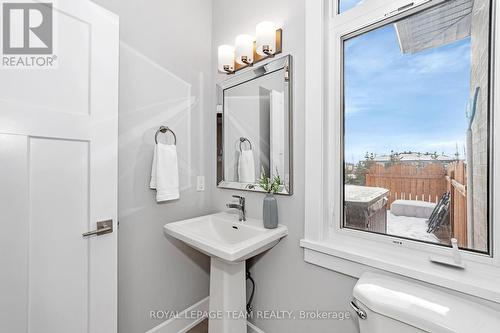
x=270, y=206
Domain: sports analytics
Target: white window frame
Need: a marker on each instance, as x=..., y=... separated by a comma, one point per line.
x=353, y=252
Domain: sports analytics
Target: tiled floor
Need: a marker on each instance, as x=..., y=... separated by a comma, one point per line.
x=200, y=328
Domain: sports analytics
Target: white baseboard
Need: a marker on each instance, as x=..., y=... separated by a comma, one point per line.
x=180, y=324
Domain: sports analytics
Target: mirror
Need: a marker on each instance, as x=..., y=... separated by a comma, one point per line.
x=254, y=127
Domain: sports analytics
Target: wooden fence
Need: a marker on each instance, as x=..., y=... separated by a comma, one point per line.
x=427, y=183
x=409, y=182
x=456, y=179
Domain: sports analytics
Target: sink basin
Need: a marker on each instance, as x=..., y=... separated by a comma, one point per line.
x=223, y=236
x=229, y=243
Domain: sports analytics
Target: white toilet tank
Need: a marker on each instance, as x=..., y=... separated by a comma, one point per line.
x=392, y=305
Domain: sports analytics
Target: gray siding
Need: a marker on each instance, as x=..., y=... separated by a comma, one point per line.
x=479, y=78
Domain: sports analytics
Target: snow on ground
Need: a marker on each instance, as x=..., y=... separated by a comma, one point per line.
x=409, y=227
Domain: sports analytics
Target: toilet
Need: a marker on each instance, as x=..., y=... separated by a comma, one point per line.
x=386, y=304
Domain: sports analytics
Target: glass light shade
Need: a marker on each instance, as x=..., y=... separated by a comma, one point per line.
x=244, y=49
x=266, y=38
x=226, y=58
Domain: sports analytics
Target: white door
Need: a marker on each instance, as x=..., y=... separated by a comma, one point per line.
x=58, y=176
x=278, y=133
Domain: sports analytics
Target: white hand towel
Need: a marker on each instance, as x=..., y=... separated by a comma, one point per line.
x=246, y=167
x=165, y=173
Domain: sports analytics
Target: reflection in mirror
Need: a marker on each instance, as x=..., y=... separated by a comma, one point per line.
x=416, y=126
x=253, y=128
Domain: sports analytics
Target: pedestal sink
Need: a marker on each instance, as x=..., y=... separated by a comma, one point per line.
x=229, y=243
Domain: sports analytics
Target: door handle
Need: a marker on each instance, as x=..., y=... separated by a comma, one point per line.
x=103, y=227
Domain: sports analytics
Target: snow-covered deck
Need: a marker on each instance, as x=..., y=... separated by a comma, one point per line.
x=409, y=227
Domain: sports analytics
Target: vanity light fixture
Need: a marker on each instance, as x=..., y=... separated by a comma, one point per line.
x=248, y=51
x=226, y=59
x=265, y=38
x=244, y=49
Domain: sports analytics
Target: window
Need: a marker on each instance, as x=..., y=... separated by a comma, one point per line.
x=400, y=144
x=416, y=126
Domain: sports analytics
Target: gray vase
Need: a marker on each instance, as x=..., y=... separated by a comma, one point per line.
x=270, y=212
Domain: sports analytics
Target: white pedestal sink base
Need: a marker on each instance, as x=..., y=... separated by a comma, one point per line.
x=227, y=297
x=229, y=243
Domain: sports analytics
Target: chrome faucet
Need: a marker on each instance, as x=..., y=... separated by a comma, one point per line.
x=240, y=206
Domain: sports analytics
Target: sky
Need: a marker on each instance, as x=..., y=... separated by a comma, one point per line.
x=404, y=102
x=348, y=4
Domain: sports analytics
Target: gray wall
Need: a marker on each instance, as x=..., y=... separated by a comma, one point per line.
x=165, y=78
x=167, y=69
x=284, y=280
x=168, y=76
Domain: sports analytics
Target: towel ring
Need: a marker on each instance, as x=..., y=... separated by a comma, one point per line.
x=164, y=129
x=242, y=140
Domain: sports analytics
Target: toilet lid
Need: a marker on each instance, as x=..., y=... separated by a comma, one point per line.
x=426, y=308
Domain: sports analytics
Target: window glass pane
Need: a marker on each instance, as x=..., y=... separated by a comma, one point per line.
x=348, y=4
x=416, y=126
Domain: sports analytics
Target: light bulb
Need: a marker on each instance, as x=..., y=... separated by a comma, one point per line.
x=266, y=38
x=226, y=58
x=244, y=49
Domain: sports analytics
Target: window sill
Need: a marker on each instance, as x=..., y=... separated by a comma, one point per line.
x=479, y=280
